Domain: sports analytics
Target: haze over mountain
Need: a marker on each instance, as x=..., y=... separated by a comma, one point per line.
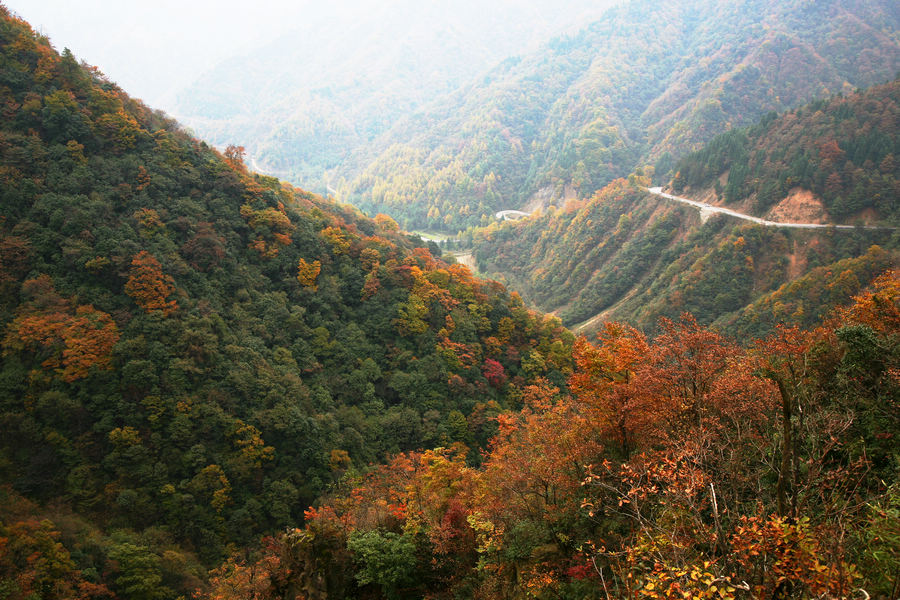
x=628, y=255
x=344, y=73
x=155, y=49
x=216, y=385
x=646, y=83
x=165, y=50
x=313, y=96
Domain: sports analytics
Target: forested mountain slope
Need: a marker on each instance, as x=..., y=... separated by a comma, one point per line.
x=643, y=85
x=843, y=150
x=191, y=354
x=683, y=466
x=628, y=255
x=303, y=101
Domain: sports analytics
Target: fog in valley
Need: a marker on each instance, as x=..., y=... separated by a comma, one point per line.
x=156, y=50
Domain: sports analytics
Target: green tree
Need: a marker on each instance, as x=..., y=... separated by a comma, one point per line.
x=385, y=559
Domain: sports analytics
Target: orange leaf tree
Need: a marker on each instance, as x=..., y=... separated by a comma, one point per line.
x=70, y=341
x=149, y=286
x=307, y=273
x=604, y=382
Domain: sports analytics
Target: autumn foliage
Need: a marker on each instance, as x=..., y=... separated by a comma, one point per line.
x=308, y=272
x=181, y=423
x=679, y=467
x=149, y=286
x=406, y=430
x=34, y=564
x=70, y=340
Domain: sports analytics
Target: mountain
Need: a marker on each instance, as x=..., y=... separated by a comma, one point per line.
x=193, y=353
x=302, y=102
x=645, y=84
x=216, y=385
x=626, y=254
x=684, y=466
x=840, y=150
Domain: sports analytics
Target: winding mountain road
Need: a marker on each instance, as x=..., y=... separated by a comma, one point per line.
x=706, y=210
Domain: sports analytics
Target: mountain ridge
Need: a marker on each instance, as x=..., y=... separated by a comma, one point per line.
x=602, y=109
x=192, y=353
x=216, y=385
x=654, y=258
x=316, y=93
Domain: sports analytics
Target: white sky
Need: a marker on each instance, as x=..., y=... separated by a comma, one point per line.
x=154, y=48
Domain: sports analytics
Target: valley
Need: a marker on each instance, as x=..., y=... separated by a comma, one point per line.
x=636, y=253
x=506, y=301
x=643, y=85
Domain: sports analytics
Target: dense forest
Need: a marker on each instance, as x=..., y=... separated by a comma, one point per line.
x=632, y=256
x=645, y=84
x=678, y=467
x=216, y=385
x=843, y=149
x=191, y=354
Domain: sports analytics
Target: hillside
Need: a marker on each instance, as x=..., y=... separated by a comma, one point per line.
x=679, y=467
x=625, y=254
x=843, y=150
x=303, y=101
x=191, y=354
x=216, y=385
x=645, y=84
